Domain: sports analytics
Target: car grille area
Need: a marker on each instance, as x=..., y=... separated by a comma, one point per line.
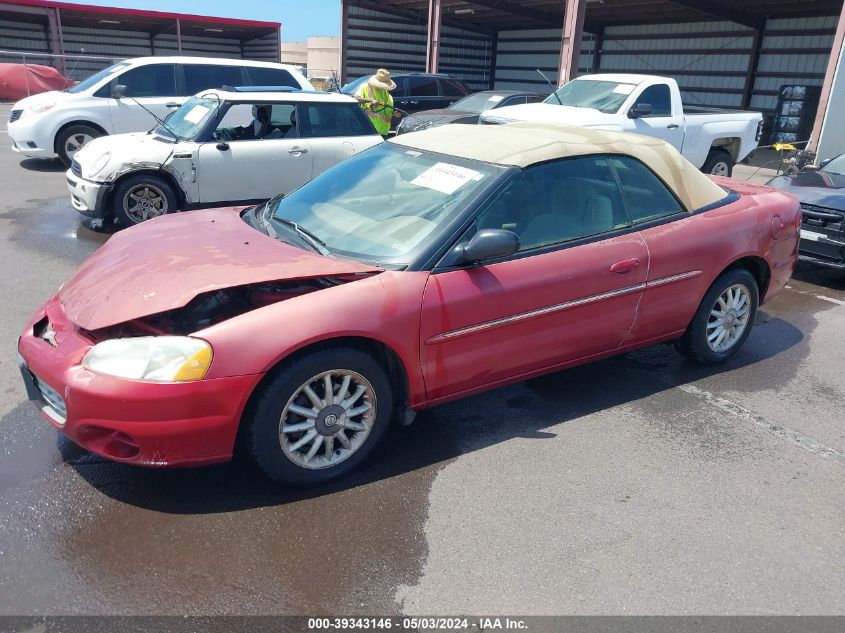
x=822, y=218
x=53, y=402
x=14, y=115
x=76, y=169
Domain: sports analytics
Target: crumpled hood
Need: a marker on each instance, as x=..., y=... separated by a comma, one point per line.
x=443, y=116
x=127, y=150
x=550, y=113
x=820, y=188
x=164, y=263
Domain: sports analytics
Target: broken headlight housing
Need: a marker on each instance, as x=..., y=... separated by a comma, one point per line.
x=152, y=358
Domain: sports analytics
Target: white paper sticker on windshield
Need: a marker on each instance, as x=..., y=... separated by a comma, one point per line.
x=624, y=89
x=196, y=114
x=495, y=98
x=446, y=178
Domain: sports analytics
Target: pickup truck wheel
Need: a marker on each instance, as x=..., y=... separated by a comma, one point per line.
x=320, y=417
x=139, y=198
x=723, y=320
x=72, y=139
x=718, y=163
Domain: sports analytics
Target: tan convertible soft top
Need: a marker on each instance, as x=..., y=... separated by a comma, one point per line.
x=524, y=144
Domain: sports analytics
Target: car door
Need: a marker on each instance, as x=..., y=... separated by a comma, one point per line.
x=423, y=93
x=238, y=164
x=662, y=123
x=152, y=86
x=681, y=248
x=570, y=292
x=335, y=131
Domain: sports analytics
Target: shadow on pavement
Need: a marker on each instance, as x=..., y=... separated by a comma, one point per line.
x=43, y=164
x=442, y=433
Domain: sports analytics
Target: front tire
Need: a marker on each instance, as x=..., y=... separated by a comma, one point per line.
x=72, y=139
x=724, y=319
x=320, y=417
x=718, y=163
x=143, y=197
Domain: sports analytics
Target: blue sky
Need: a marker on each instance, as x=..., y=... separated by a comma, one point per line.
x=299, y=18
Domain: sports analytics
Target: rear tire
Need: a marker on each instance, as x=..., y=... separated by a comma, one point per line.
x=724, y=319
x=299, y=437
x=73, y=138
x=143, y=197
x=718, y=163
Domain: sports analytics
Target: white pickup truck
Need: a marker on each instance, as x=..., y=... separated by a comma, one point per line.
x=712, y=139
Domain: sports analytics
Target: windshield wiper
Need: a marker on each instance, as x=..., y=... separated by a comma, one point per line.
x=315, y=242
x=304, y=234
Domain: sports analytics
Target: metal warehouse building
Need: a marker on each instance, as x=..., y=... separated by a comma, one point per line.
x=722, y=53
x=81, y=39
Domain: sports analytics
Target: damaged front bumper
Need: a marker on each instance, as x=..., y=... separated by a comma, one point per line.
x=132, y=421
x=89, y=198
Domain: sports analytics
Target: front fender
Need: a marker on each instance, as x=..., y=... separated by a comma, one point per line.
x=384, y=308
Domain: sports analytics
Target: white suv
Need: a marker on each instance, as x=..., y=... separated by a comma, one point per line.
x=59, y=123
x=240, y=145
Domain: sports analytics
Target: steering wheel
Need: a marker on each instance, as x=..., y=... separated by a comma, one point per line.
x=223, y=134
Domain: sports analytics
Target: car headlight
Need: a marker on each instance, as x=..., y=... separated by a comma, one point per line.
x=98, y=165
x=153, y=358
x=37, y=109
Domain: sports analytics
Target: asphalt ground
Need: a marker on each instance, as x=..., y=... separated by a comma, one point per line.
x=636, y=485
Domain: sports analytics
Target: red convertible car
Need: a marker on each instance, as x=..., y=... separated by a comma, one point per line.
x=438, y=265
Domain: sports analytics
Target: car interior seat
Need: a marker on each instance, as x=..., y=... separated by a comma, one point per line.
x=575, y=209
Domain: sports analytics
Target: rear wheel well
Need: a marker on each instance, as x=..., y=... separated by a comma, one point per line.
x=729, y=145
x=758, y=267
x=381, y=353
x=99, y=128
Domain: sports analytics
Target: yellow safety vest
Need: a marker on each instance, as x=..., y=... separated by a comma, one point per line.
x=381, y=116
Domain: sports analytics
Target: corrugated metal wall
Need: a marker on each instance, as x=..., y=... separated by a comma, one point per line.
x=377, y=39
x=709, y=60
x=262, y=49
x=20, y=35
x=520, y=53
x=795, y=51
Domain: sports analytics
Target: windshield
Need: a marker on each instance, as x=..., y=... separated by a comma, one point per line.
x=387, y=204
x=353, y=86
x=478, y=103
x=189, y=119
x=836, y=166
x=604, y=96
x=93, y=80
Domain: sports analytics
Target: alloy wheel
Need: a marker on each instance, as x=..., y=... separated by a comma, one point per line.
x=327, y=419
x=728, y=318
x=144, y=202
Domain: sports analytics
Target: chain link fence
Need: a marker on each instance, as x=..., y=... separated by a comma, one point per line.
x=74, y=67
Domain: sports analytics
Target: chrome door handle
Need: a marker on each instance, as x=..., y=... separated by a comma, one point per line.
x=672, y=126
x=298, y=150
x=173, y=104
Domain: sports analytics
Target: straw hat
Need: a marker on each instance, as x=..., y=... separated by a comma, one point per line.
x=382, y=81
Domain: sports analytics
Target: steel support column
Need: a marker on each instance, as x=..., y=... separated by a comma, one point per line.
x=178, y=36
x=57, y=47
x=829, y=75
x=570, y=42
x=433, y=49
x=753, y=62
x=598, y=43
x=343, y=77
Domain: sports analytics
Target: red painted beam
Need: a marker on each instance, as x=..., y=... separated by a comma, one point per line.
x=433, y=47
x=570, y=41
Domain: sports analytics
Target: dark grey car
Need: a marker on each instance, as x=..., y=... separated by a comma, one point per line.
x=467, y=110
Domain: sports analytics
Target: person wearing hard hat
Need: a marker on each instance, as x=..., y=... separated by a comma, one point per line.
x=377, y=102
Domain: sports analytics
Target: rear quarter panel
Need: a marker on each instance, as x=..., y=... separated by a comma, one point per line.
x=705, y=244
x=701, y=130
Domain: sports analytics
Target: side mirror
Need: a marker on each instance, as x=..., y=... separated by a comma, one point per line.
x=640, y=110
x=120, y=91
x=489, y=244
x=223, y=146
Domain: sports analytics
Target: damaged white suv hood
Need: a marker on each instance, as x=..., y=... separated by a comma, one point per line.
x=107, y=158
